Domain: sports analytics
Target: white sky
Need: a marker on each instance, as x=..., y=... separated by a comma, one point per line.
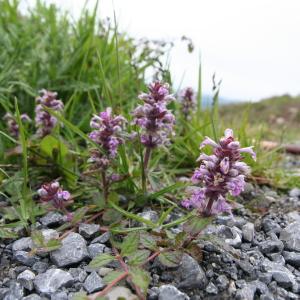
x=252, y=45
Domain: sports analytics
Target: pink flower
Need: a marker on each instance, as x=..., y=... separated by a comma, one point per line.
x=219, y=174
x=188, y=101
x=12, y=124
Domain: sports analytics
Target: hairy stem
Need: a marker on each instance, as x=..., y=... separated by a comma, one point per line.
x=104, y=186
x=207, y=211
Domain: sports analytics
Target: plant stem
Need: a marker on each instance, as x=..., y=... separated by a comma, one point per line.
x=207, y=211
x=104, y=186
x=147, y=158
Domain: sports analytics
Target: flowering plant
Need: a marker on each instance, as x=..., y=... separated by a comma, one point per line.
x=221, y=173
x=12, y=124
x=44, y=121
x=107, y=134
x=188, y=100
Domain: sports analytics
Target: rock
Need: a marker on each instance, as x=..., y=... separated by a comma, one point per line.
x=49, y=234
x=190, y=274
x=23, y=244
x=119, y=292
x=248, y=232
x=102, y=239
x=32, y=297
x=72, y=251
x=270, y=225
x=93, y=283
x=292, y=258
x=50, y=281
x=222, y=282
x=295, y=192
x=95, y=249
x=52, y=219
x=149, y=215
x=293, y=216
x=25, y=258
x=280, y=274
x=78, y=274
x=104, y=271
x=59, y=296
x=247, y=292
x=231, y=235
x=16, y=292
x=271, y=246
x=3, y=292
x=291, y=237
x=88, y=231
x=211, y=289
x=40, y=267
x=26, y=279
x=168, y=292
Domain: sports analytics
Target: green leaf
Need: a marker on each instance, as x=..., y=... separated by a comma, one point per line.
x=148, y=241
x=49, y=145
x=130, y=244
x=170, y=259
x=180, y=238
x=52, y=245
x=38, y=239
x=101, y=260
x=139, y=257
x=196, y=224
x=6, y=233
x=111, y=276
x=141, y=278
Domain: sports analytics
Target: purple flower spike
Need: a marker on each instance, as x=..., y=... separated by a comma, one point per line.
x=219, y=174
x=153, y=116
x=53, y=193
x=43, y=120
x=187, y=99
x=12, y=124
x=107, y=135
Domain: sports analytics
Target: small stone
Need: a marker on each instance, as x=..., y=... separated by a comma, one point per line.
x=50, y=281
x=78, y=274
x=168, y=292
x=149, y=215
x=52, y=219
x=102, y=239
x=104, y=271
x=248, y=232
x=25, y=258
x=26, y=279
x=292, y=258
x=291, y=237
x=95, y=249
x=267, y=296
x=119, y=292
x=293, y=216
x=93, y=283
x=59, y=296
x=88, y=231
x=3, y=292
x=40, y=267
x=49, y=234
x=222, y=282
x=246, y=293
x=190, y=274
x=271, y=246
x=280, y=274
x=231, y=235
x=295, y=192
x=72, y=251
x=32, y=297
x=211, y=289
x=16, y=292
x=270, y=225
x=23, y=244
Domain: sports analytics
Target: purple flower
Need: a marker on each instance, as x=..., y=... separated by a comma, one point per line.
x=188, y=101
x=12, y=124
x=53, y=193
x=153, y=116
x=107, y=135
x=44, y=121
x=219, y=174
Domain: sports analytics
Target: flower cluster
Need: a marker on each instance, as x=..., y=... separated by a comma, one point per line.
x=44, y=121
x=187, y=99
x=107, y=134
x=53, y=193
x=221, y=173
x=12, y=124
x=153, y=117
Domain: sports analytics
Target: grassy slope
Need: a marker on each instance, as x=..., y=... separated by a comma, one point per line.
x=277, y=118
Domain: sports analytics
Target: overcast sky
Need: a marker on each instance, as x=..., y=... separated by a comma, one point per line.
x=252, y=45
